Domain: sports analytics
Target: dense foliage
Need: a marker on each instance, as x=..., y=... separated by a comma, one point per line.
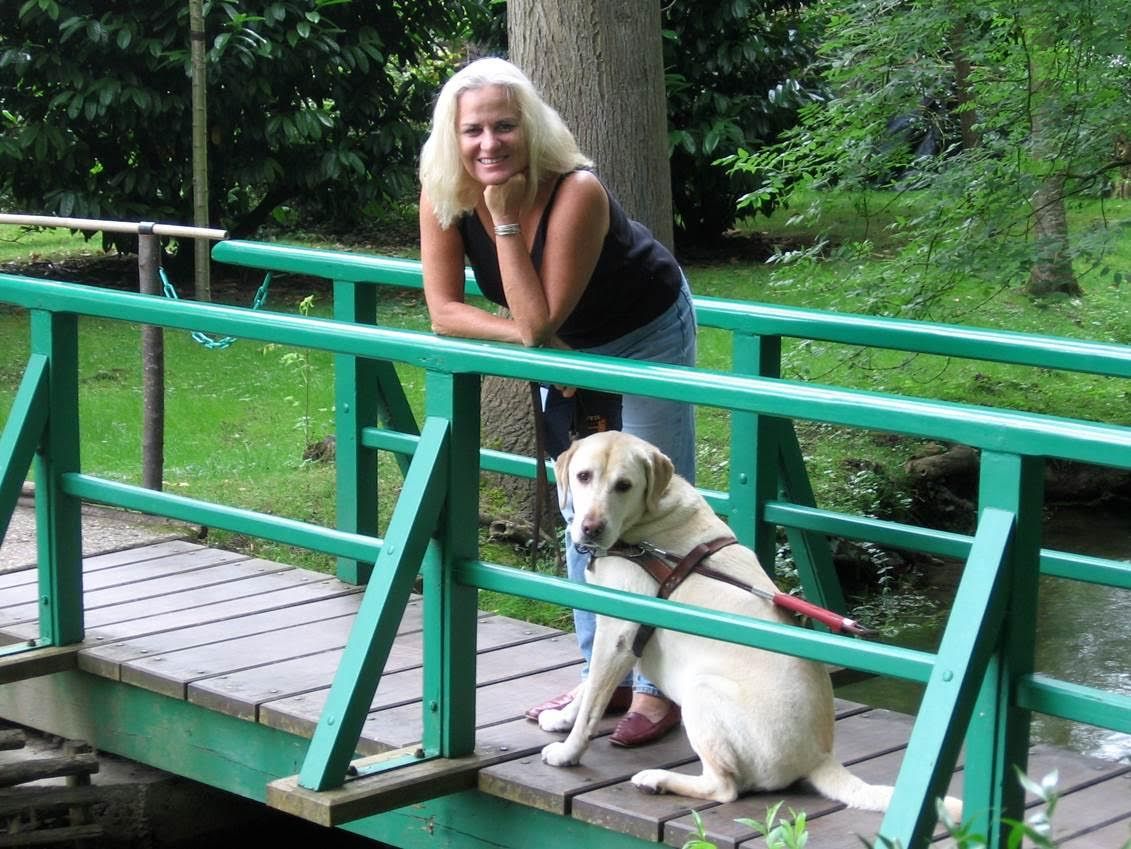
x=736, y=77
x=987, y=117
x=318, y=100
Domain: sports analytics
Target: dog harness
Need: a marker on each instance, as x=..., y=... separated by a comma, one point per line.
x=655, y=561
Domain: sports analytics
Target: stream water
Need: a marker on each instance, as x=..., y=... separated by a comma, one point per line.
x=1083, y=636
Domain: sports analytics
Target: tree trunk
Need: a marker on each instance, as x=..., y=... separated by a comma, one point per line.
x=967, y=117
x=601, y=66
x=152, y=369
x=1052, y=269
x=1052, y=263
x=508, y=425
x=200, y=217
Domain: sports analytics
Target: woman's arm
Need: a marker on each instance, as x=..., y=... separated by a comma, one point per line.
x=442, y=256
x=575, y=233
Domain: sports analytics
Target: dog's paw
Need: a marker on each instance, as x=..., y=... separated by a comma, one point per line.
x=554, y=720
x=649, y=781
x=560, y=754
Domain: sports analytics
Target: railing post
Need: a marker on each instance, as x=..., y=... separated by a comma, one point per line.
x=365, y=391
x=450, y=612
x=58, y=515
x=409, y=538
x=754, y=451
x=998, y=736
x=152, y=367
x=355, y=407
x=766, y=461
x=965, y=652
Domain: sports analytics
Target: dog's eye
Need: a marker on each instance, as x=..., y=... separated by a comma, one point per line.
x=584, y=477
x=623, y=485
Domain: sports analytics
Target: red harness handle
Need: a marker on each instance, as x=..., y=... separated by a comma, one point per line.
x=838, y=623
x=651, y=558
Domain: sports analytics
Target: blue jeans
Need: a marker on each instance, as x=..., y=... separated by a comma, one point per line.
x=669, y=425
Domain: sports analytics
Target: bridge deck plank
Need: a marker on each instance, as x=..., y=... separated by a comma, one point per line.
x=261, y=642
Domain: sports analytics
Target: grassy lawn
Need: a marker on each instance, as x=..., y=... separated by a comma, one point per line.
x=19, y=244
x=239, y=419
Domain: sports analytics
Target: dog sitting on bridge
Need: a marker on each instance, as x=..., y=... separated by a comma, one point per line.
x=758, y=720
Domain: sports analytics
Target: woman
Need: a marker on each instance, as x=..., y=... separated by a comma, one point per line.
x=504, y=185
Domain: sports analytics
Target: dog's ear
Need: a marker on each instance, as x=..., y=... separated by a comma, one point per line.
x=658, y=469
x=561, y=474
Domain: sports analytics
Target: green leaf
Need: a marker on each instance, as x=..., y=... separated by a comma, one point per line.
x=712, y=140
x=95, y=31
x=69, y=27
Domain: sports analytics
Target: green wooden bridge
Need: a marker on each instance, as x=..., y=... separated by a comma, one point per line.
x=382, y=701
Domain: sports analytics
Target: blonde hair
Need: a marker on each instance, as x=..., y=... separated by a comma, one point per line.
x=551, y=148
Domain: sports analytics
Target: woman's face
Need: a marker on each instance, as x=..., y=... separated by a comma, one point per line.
x=491, y=142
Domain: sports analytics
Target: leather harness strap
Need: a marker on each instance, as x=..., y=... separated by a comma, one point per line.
x=652, y=560
x=670, y=578
x=691, y=563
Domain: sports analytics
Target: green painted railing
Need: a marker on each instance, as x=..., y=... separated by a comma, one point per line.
x=980, y=684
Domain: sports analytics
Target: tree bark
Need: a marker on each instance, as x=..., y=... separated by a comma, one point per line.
x=1052, y=269
x=508, y=425
x=1052, y=265
x=601, y=66
x=967, y=117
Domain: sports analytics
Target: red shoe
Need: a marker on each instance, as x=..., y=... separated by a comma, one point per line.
x=621, y=699
x=635, y=729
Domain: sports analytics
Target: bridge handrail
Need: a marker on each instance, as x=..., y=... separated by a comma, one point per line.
x=948, y=340
x=982, y=427
x=1014, y=446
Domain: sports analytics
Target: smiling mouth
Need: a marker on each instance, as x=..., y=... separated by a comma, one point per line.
x=491, y=160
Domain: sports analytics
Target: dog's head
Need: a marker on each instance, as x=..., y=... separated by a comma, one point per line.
x=612, y=479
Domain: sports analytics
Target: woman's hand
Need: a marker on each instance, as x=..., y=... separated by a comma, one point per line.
x=556, y=342
x=504, y=201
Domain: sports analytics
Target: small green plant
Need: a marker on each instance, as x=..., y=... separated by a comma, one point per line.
x=1034, y=831
x=298, y=362
x=699, y=841
x=792, y=833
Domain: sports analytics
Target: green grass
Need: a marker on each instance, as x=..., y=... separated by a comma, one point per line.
x=1100, y=315
x=21, y=244
x=239, y=419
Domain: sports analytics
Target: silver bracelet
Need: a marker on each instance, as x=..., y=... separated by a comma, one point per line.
x=508, y=229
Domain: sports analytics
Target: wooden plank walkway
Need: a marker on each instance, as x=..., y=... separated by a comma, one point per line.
x=260, y=641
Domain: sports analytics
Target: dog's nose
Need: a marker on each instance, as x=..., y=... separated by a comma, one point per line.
x=592, y=528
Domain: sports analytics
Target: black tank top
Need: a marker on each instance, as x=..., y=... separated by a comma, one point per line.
x=635, y=281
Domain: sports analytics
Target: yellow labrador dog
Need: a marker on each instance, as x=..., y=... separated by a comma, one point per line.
x=757, y=720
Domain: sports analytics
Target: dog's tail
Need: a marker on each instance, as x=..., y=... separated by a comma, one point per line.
x=833, y=780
